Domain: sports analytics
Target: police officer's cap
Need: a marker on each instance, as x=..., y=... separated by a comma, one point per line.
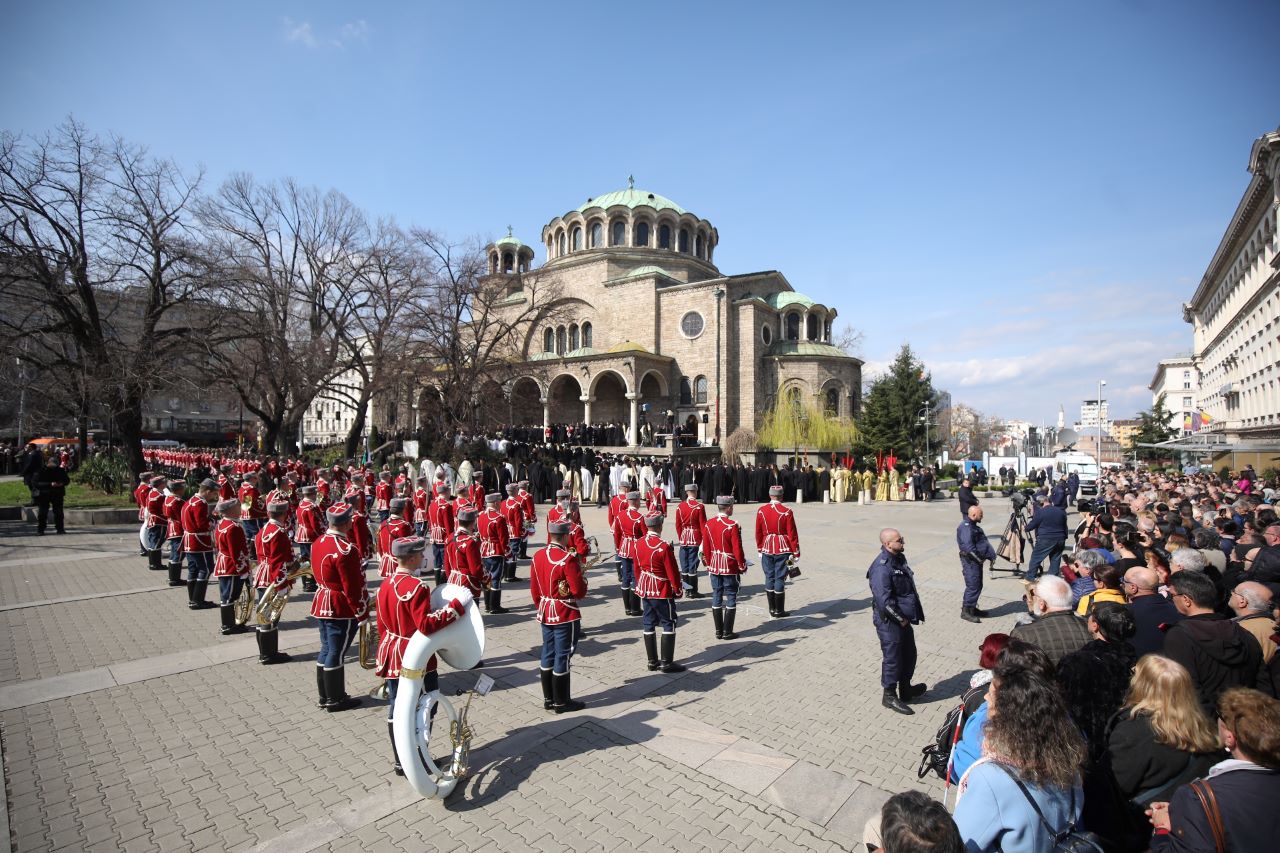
x=724, y=500
x=339, y=513
x=397, y=504
x=493, y=498
x=559, y=528
x=653, y=522
x=406, y=545
x=277, y=507
x=633, y=496
x=562, y=493
x=466, y=516
x=226, y=505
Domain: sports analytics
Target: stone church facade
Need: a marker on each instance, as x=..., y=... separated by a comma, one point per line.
x=643, y=323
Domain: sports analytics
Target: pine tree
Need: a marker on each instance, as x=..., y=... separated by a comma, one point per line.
x=1153, y=429
x=892, y=413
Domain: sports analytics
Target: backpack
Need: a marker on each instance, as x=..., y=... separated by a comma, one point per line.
x=936, y=756
x=1066, y=840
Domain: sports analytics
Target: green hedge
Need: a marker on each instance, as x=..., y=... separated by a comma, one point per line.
x=108, y=473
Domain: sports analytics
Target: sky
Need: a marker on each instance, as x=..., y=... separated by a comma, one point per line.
x=1023, y=192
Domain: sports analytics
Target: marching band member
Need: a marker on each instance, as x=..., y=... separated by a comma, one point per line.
x=309, y=526
x=658, y=587
x=231, y=563
x=361, y=536
x=476, y=495
x=494, y=543
x=382, y=494
x=462, y=555
x=173, y=504
x=440, y=484
x=513, y=512
x=556, y=584
x=463, y=501
x=777, y=541
x=559, y=511
x=440, y=521
x=722, y=552
x=157, y=524
x=618, y=502
x=404, y=607
x=530, y=521
x=140, y=498
x=341, y=601
x=577, y=540
x=421, y=498
x=394, y=527
x=286, y=491
x=197, y=541
x=655, y=502
x=690, y=519
x=226, y=488
x=253, y=510
x=628, y=527
x=275, y=558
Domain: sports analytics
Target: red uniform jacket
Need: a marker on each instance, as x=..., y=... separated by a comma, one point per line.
x=173, y=516
x=251, y=503
x=477, y=495
x=197, y=526
x=551, y=565
x=310, y=522
x=691, y=517
x=657, y=575
x=233, y=549
x=578, y=541
x=656, y=502
x=440, y=520
x=287, y=497
x=776, y=530
x=556, y=513
x=275, y=553
x=461, y=502
x=322, y=491
x=140, y=498
x=420, y=501
x=722, y=546
x=462, y=560
x=530, y=512
x=617, y=504
x=225, y=490
x=513, y=512
x=155, y=509
x=492, y=530
x=392, y=529
x=382, y=496
x=404, y=608
x=339, y=575
x=628, y=526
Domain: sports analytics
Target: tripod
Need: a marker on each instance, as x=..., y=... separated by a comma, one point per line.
x=1013, y=543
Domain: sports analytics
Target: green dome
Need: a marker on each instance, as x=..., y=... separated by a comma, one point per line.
x=508, y=240
x=632, y=198
x=789, y=297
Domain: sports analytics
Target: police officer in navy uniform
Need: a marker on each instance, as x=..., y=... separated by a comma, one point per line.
x=975, y=550
x=895, y=609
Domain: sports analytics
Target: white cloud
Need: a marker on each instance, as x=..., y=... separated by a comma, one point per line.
x=301, y=32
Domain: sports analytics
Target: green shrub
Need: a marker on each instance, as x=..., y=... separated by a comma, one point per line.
x=106, y=472
x=950, y=471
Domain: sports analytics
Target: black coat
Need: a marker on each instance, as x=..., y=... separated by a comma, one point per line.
x=967, y=499
x=1149, y=613
x=1141, y=763
x=1216, y=651
x=1247, y=802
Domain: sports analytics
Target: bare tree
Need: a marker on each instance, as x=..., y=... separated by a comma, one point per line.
x=101, y=275
x=288, y=258
x=850, y=340
x=474, y=329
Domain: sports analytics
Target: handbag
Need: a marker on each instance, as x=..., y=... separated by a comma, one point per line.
x=1068, y=840
x=1209, y=803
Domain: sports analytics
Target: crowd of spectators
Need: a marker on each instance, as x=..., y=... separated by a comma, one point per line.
x=1134, y=705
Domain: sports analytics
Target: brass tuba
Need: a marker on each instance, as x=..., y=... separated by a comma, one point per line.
x=460, y=645
x=369, y=638
x=276, y=596
x=244, y=604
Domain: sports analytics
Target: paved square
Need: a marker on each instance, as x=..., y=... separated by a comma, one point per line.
x=128, y=723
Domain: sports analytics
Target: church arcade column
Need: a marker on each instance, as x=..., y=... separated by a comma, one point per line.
x=635, y=418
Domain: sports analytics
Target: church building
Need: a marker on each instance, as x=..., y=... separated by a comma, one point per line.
x=645, y=328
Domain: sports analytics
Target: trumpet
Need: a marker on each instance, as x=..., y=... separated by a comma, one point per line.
x=369, y=638
x=276, y=596
x=244, y=604
x=596, y=555
x=793, y=566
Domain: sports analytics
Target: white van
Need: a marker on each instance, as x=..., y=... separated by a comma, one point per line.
x=1082, y=465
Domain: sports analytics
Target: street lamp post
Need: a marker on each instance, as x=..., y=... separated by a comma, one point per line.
x=925, y=414
x=1101, y=384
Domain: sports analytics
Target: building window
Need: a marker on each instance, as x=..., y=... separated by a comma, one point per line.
x=683, y=245
x=548, y=340
x=686, y=391
x=692, y=324
x=1186, y=402
x=577, y=238
x=560, y=244
x=697, y=246
x=597, y=235
x=766, y=334
x=573, y=336
x=642, y=234
x=508, y=262
x=833, y=402
x=700, y=390
x=586, y=334
x=560, y=340
x=1186, y=386
x=792, y=397
x=793, y=326
x=664, y=236
x=811, y=327
x=619, y=236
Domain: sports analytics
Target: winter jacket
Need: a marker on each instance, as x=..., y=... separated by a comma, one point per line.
x=1216, y=651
